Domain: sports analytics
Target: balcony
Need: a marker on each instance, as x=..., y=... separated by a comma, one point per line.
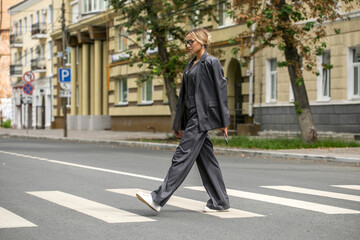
x=16, y=70
x=38, y=65
x=38, y=30
x=16, y=41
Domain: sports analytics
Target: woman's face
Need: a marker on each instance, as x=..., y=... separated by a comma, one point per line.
x=192, y=45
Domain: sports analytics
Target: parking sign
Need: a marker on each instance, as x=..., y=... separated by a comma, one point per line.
x=65, y=75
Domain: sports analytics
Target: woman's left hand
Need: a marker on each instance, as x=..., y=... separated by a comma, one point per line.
x=224, y=130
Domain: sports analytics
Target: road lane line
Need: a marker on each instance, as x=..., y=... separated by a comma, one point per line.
x=11, y=220
x=85, y=166
x=352, y=187
x=316, y=192
x=91, y=208
x=286, y=202
x=190, y=204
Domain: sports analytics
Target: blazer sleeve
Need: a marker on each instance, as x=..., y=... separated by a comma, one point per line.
x=220, y=84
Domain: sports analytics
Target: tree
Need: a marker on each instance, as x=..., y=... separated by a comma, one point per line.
x=297, y=29
x=163, y=26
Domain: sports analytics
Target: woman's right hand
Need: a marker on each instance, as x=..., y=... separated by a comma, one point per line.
x=178, y=133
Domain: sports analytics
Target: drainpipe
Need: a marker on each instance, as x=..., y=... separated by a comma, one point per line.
x=251, y=80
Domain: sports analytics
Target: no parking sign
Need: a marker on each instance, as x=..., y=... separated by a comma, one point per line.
x=28, y=88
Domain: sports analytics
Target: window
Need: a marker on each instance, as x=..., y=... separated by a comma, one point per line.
x=271, y=80
x=68, y=56
x=30, y=55
x=20, y=28
x=68, y=102
x=25, y=58
x=223, y=19
x=25, y=25
x=354, y=73
x=42, y=52
x=145, y=39
x=122, y=91
x=75, y=11
x=146, y=91
x=323, y=80
x=194, y=18
x=50, y=14
x=20, y=58
x=15, y=59
x=122, y=38
x=31, y=22
x=50, y=54
x=93, y=5
x=15, y=29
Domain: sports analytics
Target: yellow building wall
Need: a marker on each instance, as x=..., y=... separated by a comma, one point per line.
x=338, y=44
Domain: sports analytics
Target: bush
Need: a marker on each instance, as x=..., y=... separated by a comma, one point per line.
x=7, y=124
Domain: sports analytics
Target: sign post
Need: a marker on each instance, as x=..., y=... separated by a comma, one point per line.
x=28, y=89
x=65, y=83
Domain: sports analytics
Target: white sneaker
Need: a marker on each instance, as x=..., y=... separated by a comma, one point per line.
x=210, y=210
x=147, y=199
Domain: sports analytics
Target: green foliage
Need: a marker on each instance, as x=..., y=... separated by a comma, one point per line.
x=7, y=124
x=297, y=108
x=153, y=22
x=281, y=143
x=231, y=41
x=267, y=143
x=282, y=64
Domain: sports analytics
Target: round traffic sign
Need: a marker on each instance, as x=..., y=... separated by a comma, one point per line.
x=29, y=76
x=28, y=88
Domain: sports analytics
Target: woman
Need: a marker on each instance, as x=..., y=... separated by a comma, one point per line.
x=202, y=106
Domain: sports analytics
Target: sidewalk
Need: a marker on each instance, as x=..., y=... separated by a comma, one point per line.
x=122, y=138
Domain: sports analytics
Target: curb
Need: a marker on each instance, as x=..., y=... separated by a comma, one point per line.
x=217, y=150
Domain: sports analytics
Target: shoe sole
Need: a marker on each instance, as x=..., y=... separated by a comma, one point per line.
x=213, y=211
x=141, y=199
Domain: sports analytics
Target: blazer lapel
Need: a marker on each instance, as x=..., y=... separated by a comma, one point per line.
x=200, y=70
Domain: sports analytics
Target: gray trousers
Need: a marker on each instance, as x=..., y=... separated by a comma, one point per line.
x=194, y=146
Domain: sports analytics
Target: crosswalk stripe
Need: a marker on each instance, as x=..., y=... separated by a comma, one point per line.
x=85, y=166
x=286, y=202
x=11, y=220
x=91, y=208
x=353, y=187
x=316, y=192
x=191, y=205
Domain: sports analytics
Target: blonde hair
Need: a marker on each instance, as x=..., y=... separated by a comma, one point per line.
x=201, y=35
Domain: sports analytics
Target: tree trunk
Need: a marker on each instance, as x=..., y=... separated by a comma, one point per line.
x=302, y=106
x=169, y=80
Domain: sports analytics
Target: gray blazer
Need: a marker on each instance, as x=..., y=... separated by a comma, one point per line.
x=210, y=96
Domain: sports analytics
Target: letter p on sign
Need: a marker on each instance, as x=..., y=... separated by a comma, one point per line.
x=65, y=75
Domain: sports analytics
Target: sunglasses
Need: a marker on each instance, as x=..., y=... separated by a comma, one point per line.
x=189, y=42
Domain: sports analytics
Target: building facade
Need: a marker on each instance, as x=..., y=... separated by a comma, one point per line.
x=32, y=21
x=334, y=95
x=5, y=86
x=87, y=47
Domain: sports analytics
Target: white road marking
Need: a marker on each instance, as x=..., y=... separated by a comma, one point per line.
x=316, y=192
x=286, y=202
x=85, y=166
x=11, y=220
x=353, y=187
x=191, y=205
x=91, y=208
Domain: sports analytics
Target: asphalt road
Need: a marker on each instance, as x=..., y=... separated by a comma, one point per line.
x=58, y=190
